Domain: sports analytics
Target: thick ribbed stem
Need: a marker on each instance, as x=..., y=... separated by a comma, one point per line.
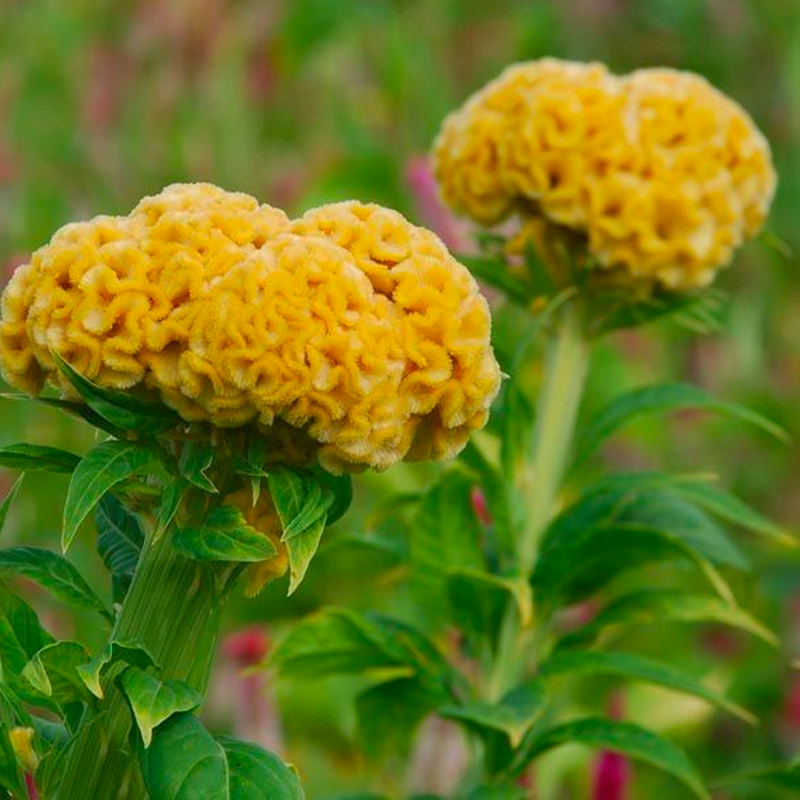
x=172, y=609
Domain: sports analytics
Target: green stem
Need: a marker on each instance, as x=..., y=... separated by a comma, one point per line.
x=172, y=609
x=557, y=411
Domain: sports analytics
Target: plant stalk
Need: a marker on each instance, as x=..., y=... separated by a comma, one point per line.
x=557, y=412
x=172, y=610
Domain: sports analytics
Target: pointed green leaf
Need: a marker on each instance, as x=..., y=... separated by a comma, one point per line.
x=53, y=671
x=153, y=701
x=224, y=537
x=33, y=457
x=122, y=409
x=196, y=459
x=257, y=774
x=404, y=701
x=185, y=762
x=340, y=488
x=9, y=499
x=630, y=666
x=21, y=635
x=54, y=573
x=445, y=536
x=301, y=549
x=119, y=542
x=478, y=600
x=658, y=606
x=116, y=651
x=619, y=737
x=101, y=469
x=299, y=499
x=782, y=776
x=77, y=410
x=171, y=499
x=662, y=398
x=513, y=715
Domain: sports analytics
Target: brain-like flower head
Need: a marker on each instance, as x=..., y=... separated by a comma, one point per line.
x=663, y=174
x=350, y=324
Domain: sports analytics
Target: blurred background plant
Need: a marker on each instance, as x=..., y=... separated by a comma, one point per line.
x=305, y=101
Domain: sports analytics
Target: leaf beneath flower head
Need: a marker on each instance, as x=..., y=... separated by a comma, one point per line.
x=119, y=542
x=225, y=536
x=301, y=549
x=196, y=459
x=32, y=457
x=127, y=652
x=122, y=409
x=102, y=468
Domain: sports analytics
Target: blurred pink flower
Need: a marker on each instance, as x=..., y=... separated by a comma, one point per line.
x=430, y=209
x=479, y=506
x=247, y=647
x=611, y=775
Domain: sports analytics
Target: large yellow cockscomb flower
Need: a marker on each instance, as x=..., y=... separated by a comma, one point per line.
x=663, y=174
x=350, y=324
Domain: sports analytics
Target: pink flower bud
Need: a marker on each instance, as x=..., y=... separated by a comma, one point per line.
x=478, y=500
x=247, y=647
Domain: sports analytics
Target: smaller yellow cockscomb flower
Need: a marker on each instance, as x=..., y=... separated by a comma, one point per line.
x=350, y=325
x=21, y=739
x=262, y=516
x=661, y=173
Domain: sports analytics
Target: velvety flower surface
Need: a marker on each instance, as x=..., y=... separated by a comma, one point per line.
x=350, y=324
x=663, y=174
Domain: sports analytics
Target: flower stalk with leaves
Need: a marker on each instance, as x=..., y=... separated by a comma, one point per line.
x=241, y=365
x=630, y=194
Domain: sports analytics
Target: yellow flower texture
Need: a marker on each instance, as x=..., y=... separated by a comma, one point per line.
x=663, y=174
x=350, y=324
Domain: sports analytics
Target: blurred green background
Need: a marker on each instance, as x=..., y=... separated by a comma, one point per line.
x=304, y=101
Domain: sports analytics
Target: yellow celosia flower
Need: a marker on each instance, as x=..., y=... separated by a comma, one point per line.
x=663, y=174
x=22, y=744
x=350, y=323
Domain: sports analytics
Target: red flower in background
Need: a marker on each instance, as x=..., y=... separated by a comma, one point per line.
x=611, y=774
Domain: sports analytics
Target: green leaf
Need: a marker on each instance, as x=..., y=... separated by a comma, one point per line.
x=445, y=536
x=495, y=272
x=340, y=488
x=298, y=498
x=782, y=776
x=21, y=636
x=101, y=469
x=116, y=651
x=620, y=737
x=54, y=573
x=53, y=671
x=225, y=536
x=122, y=409
x=658, y=606
x=11, y=777
x=185, y=762
x=337, y=641
x=196, y=459
x=77, y=410
x=513, y=715
x=9, y=499
x=301, y=549
x=332, y=642
x=662, y=398
x=32, y=457
x=478, y=600
x=733, y=510
x=171, y=499
x=153, y=701
x=404, y=701
x=613, y=528
x=119, y=542
x=629, y=666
